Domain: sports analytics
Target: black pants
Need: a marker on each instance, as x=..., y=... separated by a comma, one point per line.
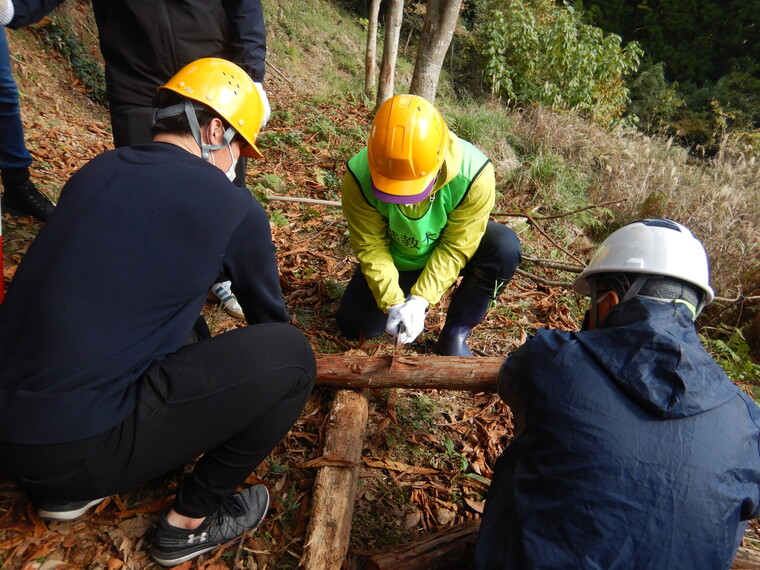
x=498, y=255
x=231, y=398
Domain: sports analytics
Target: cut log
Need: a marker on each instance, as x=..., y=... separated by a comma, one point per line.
x=334, y=493
x=450, y=549
x=439, y=372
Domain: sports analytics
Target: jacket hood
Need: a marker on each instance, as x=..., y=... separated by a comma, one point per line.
x=652, y=351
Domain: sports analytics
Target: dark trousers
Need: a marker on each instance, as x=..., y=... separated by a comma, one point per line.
x=231, y=398
x=493, y=265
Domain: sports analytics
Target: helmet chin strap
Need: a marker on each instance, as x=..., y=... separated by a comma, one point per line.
x=635, y=287
x=189, y=108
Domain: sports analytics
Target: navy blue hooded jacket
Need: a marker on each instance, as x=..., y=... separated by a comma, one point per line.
x=116, y=279
x=637, y=450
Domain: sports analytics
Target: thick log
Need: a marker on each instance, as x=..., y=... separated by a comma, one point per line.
x=431, y=372
x=450, y=549
x=334, y=493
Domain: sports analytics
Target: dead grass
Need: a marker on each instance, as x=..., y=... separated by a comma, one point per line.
x=717, y=198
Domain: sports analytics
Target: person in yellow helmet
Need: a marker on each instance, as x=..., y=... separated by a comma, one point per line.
x=109, y=376
x=417, y=200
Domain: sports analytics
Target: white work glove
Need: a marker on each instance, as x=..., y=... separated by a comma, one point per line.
x=264, y=103
x=7, y=11
x=411, y=314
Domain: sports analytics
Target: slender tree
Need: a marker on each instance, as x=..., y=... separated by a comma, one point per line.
x=437, y=32
x=385, y=86
x=370, y=56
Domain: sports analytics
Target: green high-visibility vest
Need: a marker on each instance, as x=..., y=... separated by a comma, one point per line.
x=412, y=240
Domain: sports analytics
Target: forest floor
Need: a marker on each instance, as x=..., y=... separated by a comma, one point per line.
x=427, y=455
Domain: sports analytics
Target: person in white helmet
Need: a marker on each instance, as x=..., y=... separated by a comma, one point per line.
x=632, y=448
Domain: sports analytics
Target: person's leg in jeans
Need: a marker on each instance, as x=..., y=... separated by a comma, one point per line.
x=19, y=192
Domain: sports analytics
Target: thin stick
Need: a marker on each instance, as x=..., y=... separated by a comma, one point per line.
x=555, y=216
x=274, y=198
x=542, y=281
x=547, y=236
x=279, y=73
x=551, y=264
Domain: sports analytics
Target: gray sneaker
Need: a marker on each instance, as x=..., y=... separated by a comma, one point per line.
x=241, y=512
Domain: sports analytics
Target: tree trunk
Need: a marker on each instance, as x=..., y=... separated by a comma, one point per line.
x=371, y=55
x=334, y=492
x=390, y=51
x=440, y=23
x=439, y=372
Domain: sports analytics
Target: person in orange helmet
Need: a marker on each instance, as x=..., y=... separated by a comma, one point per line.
x=417, y=200
x=109, y=377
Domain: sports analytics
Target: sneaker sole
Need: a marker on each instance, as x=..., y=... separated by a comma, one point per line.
x=179, y=558
x=183, y=558
x=68, y=515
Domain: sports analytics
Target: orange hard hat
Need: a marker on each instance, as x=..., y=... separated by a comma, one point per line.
x=228, y=90
x=407, y=145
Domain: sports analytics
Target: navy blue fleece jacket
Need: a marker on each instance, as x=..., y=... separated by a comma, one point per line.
x=116, y=279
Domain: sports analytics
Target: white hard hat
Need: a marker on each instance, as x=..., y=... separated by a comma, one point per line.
x=651, y=247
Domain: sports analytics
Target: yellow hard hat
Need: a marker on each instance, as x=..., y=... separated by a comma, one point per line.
x=407, y=145
x=228, y=90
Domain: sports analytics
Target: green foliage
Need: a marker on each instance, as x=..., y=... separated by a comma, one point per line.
x=539, y=52
x=733, y=354
x=450, y=457
x=703, y=52
x=654, y=102
x=278, y=218
x=418, y=412
x=60, y=36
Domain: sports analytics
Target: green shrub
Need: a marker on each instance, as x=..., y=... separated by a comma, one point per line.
x=733, y=354
x=654, y=102
x=60, y=36
x=543, y=53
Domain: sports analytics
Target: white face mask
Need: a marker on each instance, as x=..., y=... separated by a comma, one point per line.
x=231, y=174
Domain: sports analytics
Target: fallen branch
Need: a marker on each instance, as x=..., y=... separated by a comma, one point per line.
x=278, y=72
x=738, y=299
x=542, y=281
x=555, y=216
x=551, y=264
x=533, y=223
x=421, y=372
x=274, y=198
